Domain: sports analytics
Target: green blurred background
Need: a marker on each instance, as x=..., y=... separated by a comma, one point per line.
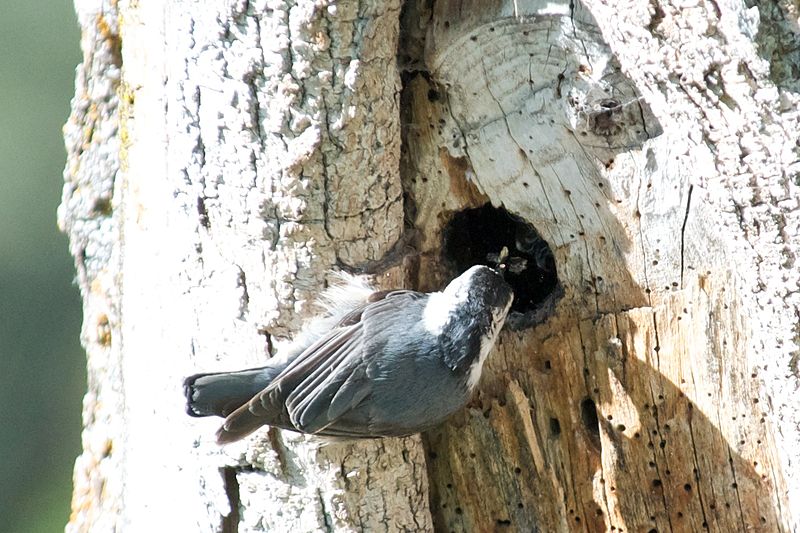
x=42, y=366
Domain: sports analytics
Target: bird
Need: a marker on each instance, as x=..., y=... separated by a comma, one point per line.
x=372, y=364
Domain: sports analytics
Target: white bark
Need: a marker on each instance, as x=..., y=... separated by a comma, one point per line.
x=244, y=153
x=256, y=164
x=230, y=154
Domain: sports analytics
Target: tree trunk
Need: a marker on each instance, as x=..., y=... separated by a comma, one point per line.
x=224, y=157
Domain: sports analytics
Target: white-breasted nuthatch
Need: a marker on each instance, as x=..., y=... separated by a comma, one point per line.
x=375, y=364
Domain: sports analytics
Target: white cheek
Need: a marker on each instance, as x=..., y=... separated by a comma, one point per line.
x=440, y=305
x=436, y=312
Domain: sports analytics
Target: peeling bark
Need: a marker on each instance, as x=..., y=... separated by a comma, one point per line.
x=223, y=158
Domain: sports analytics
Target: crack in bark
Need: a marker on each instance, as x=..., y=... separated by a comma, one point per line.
x=624, y=349
x=449, y=109
x=326, y=116
x=603, y=476
x=230, y=523
x=547, y=199
x=323, y=511
x=655, y=454
x=582, y=232
x=644, y=249
x=326, y=186
x=736, y=488
x=269, y=342
x=653, y=399
x=657, y=347
x=416, y=488
x=696, y=462
x=202, y=212
x=575, y=32
x=200, y=147
x=683, y=228
x=256, y=108
x=569, y=485
x=244, y=301
x=280, y=451
x=530, y=165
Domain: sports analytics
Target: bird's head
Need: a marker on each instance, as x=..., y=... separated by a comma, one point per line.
x=468, y=314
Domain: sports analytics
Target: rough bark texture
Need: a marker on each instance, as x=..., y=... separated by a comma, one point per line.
x=260, y=145
x=224, y=156
x=89, y=214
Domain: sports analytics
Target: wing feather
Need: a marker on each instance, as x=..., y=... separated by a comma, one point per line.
x=311, y=358
x=352, y=391
x=323, y=383
x=307, y=404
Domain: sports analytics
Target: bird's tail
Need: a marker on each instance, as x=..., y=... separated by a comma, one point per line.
x=219, y=394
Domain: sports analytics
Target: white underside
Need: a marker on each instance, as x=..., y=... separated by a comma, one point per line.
x=487, y=343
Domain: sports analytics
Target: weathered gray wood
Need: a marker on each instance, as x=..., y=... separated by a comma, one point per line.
x=608, y=137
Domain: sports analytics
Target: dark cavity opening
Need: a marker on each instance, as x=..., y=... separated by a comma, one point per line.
x=492, y=236
x=590, y=420
x=555, y=427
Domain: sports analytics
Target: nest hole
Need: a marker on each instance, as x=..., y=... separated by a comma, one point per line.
x=590, y=421
x=494, y=237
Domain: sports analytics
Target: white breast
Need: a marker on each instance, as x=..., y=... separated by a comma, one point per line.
x=487, y=343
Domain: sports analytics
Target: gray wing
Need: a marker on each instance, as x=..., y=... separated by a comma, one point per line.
x=325, y=382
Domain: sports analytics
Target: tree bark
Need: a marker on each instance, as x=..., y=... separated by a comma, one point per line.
x=224, y=157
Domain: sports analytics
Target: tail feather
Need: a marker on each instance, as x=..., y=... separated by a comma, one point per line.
x=219, y=394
